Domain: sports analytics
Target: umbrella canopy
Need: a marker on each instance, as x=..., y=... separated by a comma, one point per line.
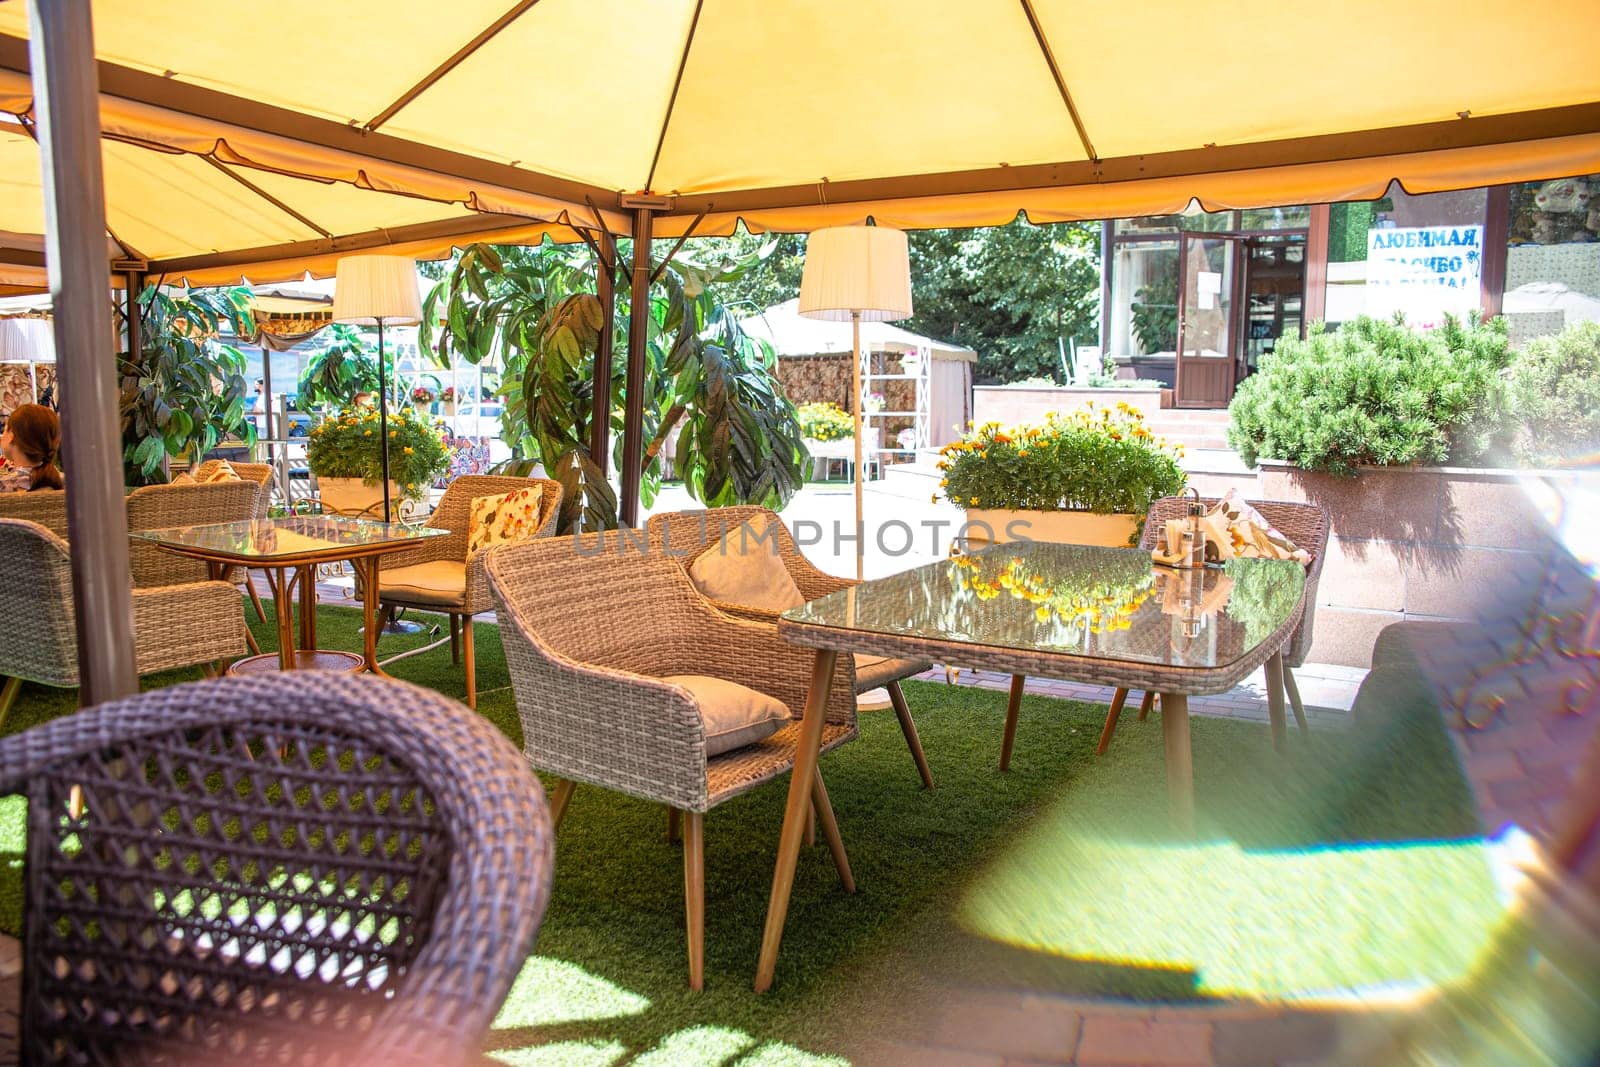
x=794, y=116
x=793, y=334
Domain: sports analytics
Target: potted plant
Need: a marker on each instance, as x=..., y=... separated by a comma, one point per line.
x=343, y=453
x=1084, y=478
x=447, y=402
x=422, y=397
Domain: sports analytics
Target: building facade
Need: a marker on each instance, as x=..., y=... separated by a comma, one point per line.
x=1195, y=300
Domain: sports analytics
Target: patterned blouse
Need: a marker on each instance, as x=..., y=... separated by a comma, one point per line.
x=16, y=479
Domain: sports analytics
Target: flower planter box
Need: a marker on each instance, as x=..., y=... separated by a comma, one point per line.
x=1011, y=404
x=355, y=498
x=1432, y=543
x=999, y=526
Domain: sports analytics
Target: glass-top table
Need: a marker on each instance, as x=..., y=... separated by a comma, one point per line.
x=1106, y=616
x=289, y=550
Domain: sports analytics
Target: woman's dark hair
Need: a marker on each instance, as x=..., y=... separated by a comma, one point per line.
x=36, y=432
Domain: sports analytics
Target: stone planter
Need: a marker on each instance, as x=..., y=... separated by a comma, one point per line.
x=355, y=498
x=998, y=526
x=1432, y=543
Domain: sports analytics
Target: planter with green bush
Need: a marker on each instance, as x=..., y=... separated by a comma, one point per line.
x=1085, y=478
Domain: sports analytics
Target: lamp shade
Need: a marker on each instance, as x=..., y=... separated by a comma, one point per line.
x=27, y=341
x=369, y=288
x=856, y=270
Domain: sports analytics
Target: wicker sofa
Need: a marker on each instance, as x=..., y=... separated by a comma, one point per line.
x=592, y=626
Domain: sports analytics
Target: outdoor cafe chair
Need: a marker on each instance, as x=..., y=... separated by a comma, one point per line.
x=184, y=625
x=616, y=667
x=441, y=575
x=298, y=868
x=47, y=507
x=1307, y=525
x=259, y=474
x=685, y=535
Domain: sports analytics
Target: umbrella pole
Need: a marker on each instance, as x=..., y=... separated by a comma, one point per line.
x=383, y=424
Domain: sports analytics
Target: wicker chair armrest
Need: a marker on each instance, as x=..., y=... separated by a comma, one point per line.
x=750, y=651
x=813, y=582
x=434, y=548
x=182, y=625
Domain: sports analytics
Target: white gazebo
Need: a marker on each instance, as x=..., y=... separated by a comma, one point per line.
x=941, y=370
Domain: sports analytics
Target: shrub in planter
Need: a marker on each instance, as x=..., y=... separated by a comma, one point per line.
x=346, y=446
x=1553, y=391
x=825, y=421
x=1375, y=392
x=1100, y=461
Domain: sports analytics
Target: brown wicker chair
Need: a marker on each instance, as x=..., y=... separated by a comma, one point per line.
x=684, y=535
x=158, y=507
x=1304, y=524
x=299, y=868
x=173, y=626
x=590, y=627
x=261, y=475
x=47, y=507
x=439, y=575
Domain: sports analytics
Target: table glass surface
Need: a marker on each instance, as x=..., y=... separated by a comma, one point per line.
x=1076, y=600
x=294, y=535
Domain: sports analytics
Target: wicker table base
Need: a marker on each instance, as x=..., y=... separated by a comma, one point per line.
x=305, y=659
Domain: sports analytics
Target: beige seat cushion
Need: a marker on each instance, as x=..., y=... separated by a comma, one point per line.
x=873, y=671
x=441, y=582
x=744, y=568
x=734, y=715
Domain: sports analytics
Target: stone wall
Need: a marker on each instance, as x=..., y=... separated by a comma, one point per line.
x=1437, y=543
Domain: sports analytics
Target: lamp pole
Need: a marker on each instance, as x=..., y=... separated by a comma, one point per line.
x=383, y=423
x=855, y=386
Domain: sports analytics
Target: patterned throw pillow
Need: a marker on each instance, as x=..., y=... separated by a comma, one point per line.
x=510, y=516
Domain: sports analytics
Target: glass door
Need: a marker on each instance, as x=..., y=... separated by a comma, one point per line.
x=1207, y=276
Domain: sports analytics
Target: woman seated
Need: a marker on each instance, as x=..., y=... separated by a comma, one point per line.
x=30, y=444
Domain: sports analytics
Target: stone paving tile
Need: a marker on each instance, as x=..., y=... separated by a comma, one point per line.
x=1010, y=1026
x=1110, y=1041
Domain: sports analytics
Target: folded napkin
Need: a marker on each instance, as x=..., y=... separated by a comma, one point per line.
x=1232, y=529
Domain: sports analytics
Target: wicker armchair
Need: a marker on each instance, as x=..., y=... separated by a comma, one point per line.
x=158, y=507
x=684, y=535
x=47, y=507
x=173, y=626
x=300, y=868
x=439, y=575
x=591, y=626
x=260, y=474
x=1307, y=526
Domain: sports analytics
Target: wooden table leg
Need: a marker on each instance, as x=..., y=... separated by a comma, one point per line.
x=1280, y=722
x=307, y=577
x=367, y=568
x=1180, y=763
x=283, y=608
x=801, y=778
x=1013, y=709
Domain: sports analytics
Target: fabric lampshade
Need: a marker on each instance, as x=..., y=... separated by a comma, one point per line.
x=27, y=341
x=369, y=288
x=856, y=270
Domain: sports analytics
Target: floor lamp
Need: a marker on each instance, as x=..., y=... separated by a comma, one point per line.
x=856, y=274
x=372, y=291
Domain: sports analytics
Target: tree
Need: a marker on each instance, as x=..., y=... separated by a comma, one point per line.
x=1017, y=294
x=535, y=311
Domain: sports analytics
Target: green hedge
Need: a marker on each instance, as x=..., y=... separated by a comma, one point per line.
x=1553, y=397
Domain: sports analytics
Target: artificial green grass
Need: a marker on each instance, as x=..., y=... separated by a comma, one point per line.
x=1354, y=862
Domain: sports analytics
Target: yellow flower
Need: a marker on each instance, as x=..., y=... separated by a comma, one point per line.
x=408, y=450
x=974, y=501
x=933, y=498
x=366, y=433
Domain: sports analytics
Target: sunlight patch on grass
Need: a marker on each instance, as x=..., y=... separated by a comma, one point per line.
x=1278, y=924
x=565, y=1054
x=697, y=1044
x=550, y=991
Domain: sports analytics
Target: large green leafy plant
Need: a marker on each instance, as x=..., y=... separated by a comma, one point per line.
x=184, y=390
x=1375, y=392
x=534, y=311
x=344, y=366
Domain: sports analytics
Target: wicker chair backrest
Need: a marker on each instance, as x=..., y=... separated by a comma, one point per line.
x=454, y=510
x=157, y=507
x=259, y=474
x=47, y=507
x=303, y=868
x=1307, y=525
x=39, y=640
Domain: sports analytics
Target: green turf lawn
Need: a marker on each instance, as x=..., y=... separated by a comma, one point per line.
x=1354, y=863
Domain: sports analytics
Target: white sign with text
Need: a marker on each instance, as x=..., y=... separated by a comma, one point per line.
x=1424, y=272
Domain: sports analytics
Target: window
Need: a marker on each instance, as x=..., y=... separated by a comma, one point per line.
x=1553, y=256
